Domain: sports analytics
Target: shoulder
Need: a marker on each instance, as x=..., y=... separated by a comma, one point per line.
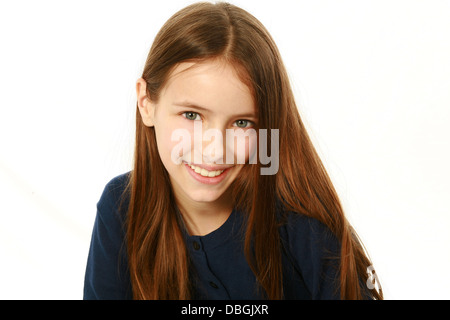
x=116, y=186
x=315, y=251
x=114, y=199
x=106, y=271
x=302, y=228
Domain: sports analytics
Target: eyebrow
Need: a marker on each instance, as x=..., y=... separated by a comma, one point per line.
x=187, y=104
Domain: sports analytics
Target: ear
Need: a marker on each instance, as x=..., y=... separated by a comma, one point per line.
x=146, y=107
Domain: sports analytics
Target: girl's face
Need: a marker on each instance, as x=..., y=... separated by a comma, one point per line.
x=197, y=98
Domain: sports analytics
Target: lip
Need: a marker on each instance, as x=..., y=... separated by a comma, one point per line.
x=210, y=167
x=208, y=180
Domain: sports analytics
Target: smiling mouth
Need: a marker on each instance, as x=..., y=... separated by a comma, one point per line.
x=204, y=172
x=208, y=173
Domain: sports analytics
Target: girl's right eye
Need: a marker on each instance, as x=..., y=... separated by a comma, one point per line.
x=191, y=115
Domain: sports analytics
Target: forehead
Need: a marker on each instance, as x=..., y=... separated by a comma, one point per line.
x=213, y=84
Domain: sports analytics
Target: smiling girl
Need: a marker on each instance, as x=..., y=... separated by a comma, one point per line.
x=204, y=227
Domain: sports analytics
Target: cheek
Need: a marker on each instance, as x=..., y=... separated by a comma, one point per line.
x=243, y=146
x=165, y=143
x=174, y=143
x=252, y=149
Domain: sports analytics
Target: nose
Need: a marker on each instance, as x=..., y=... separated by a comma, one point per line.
x=213, y=146
x=223, y=146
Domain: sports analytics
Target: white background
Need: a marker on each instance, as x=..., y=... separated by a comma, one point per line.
x=372, y=80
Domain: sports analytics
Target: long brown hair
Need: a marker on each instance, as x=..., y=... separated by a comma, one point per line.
x=158, y=261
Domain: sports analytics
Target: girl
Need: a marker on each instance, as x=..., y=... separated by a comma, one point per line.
x=187, y=223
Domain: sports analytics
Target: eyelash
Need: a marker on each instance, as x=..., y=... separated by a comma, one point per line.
x=250, y=123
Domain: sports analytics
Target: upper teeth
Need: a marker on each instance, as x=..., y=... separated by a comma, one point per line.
x=205, y=172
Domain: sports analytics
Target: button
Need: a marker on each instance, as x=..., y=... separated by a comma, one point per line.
x=196, y=245
x=212, y=284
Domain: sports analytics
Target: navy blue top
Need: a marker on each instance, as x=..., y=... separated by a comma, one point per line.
x=221, y=269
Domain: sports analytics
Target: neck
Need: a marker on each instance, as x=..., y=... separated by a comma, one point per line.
x=202, y=218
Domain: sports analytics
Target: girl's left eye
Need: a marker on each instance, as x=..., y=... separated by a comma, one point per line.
x=243, y=123
x=191, y=115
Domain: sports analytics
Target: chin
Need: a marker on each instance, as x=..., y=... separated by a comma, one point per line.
x=205, y=196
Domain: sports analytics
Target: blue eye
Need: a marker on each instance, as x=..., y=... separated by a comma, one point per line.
x=190, y=115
